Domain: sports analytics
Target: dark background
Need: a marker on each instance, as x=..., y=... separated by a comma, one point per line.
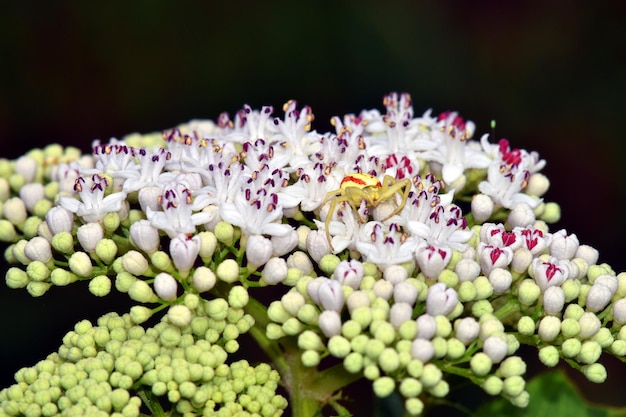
x=551, y=73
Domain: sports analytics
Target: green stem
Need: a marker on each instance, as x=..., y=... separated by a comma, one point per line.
x=511, y=306
x=152, y=403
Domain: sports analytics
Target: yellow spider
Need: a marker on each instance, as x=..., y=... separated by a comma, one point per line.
x=358, y=187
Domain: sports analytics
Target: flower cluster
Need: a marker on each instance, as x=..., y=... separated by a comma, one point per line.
x=395, y=248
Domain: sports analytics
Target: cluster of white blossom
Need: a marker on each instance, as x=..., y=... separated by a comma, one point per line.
x=358, y=237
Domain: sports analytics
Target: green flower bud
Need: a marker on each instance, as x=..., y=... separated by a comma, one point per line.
x=526, y=326
x=481, y=307
x=571, y=347
x=590, y=352
x=228, y=271
x=484, y=289
x=309, y=340
x=570, y=327
x=217, y=309
x=362, y=315
x=431, y=375
x=170, y=336
x=208, y=243
x=410, y=387
x=106, y=249
x=408, y=330
x=571, y=289
x=119, y=398
x=339, y=346
x=351, y=329
x=603, y=337
x=384, y=386
x=100, y=286
x=203, y=279
x=595, y=372
x=7, y=231
x=276, y=312
x=589, y=325
x=444, y=327
x=37, y=289
x=179, y=315
x=493, y=385
x=140, y=291
x=513, y=386
x=294, y=276
x=371, y=372
x=573, y=311
x=111, y=222
x=328, y=263
x=480, y=364
x=135, y=263
x=16, y=278
x=63, y=242
x=467, y=292
x=123, y=281
x=549, y=328
x=383, y=331
x=370, y=269
x=310, y=358
x=414, y=406
x=374, y=348
x=162, y=261
x=448, y=277
x=455, y=349
x=80, y=264
x=292, y=326
x=549, y=356
x=308, y=314
x=274, y=332
x=192, y=301
x=37, y=271
x=224, y=232
x=441, y=346
x=618, y=348
x=388, y=360
x=359, y=343
x=440, y=390
x=528, y=292
x=238, y=297
x=595, y=271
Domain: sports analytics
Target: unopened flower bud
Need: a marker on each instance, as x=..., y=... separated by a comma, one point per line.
x=61, y=277
x=589, y=325
x=16, y=278
x=480, y=364
x=395, y=274
x=238, y=297
x=292, y=302
x=619, y=310
x=31, y=194
x=500, y=280
x=522, y=259
x=383, y=289
x=422, y=349
x=521, y=215
x=399, y=313
x=184, y=252
x=7, y=231
x=329, y=263
x=27, y=167
x=596, y=372
x=426, y=326
x=537, y=185
x=80, y=264
x=590, y=352
x=140, y=314
x=224, y=232
x=595, y=271
x=140, y=291
x=145, y=236
x=275, y=271
x=383, y=386
x=466, y=330
x=563, y=246
x=440, y=300
x=598, y=297
x=258, y=250
x=38, y=249
x=329, y=322
x=165, y=286
x=149, y=198
x=496, y=348
x=179, y=315
x=228, y=271
x=553, y=300
x=528, y=292
x=349, y=273
x=301, y=261
x=282, y=245
x=135, y=263
x=106, y=250
x=492, y=385
x=330, y=294
x=588, y=254
x=467, y=270
x=100, y=286
x=357, y=299
x=405, y=292
x=432, y=260
x=89, y=235
x=482, y=207
x=549, y=328
x=14, y=210
x=316, y=245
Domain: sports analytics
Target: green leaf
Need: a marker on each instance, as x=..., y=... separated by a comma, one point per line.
x=552, y=394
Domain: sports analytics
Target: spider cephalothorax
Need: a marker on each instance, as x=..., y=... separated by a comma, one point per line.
x=357, y=188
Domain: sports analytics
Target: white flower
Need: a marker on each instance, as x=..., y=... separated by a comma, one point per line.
x=144, y=236
x=184, y=252
x=330, y=295
x=534, y=239
x=89, y=235
x=440, y=300
x=491, y=257
x=31, y=194
x=444, y=228
x=349, y=273
x=432, y=260
x=93, y=204
x=150, y=166
x=563, y=246
x=294, y=130
x=385, y=245
x=59, y=220
x=258, y=250
x=549, y=273
x=165, y=286
x=329, y=323
x=176, y=217
x=504, y=185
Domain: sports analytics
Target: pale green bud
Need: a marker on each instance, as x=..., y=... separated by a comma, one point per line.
x=37, y=289
x=292, y=301
x=484, y=289
x=551, y=213
x=410, y=387
x=16, y=278
x=455, y=348
x=493, y=385
x=512, y=366
x=549, y=328
x=590, y=352
x=481, y=307
x=217, y=309
x=414, y=406
x=170, y=336
x=573, y=311
x=589, y=325
x=7, y=231
x=373, y=348
x=135, y=263
x=415, y=368
x=595, y=271
x=162, y=261
x=179, y=315
x=111, y=222
x=370, y=269
x=310, y=358
x=228, y=271
x=63, y=242
x=595, y=372
x=371, y=372
x=140, y=291
x=388, y=360
x=351, y=329
x=61, y=277
x=339, y=346
x=238, y=297
x=549, y=356
x=301, y=261
x=276, y=312
x=309, y=340
x=440, y=390
x=444, y=327
x=513, y=386
x=139, y=314
x=123, y=281
x=14, y=210
x=106, y=249
x=603, y=337
x=37, y=271
x=328, y=263
x=31, y=226
x=618, y=348
x=440, y=346
x=467, y=292
x=308, y=314
x=570, y=327
x=528, y=292
x=448, y=277
x=571, y=347
x=294, y=275
x=203, y=279
x=80, y=264
x=292, y=326
x=274, y=331
x=383, y=387
x=383, y=331
x=208, y=243
x=431, y=375
x=408, y=330
x=480, y=364
x=100, y=286
x=224, y=232
x=571, y=289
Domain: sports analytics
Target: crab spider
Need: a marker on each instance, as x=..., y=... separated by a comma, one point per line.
x=358, y=187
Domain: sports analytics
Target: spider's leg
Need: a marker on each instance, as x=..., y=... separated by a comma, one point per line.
x=329, y=216
x=390, y=187
x=354, y=196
